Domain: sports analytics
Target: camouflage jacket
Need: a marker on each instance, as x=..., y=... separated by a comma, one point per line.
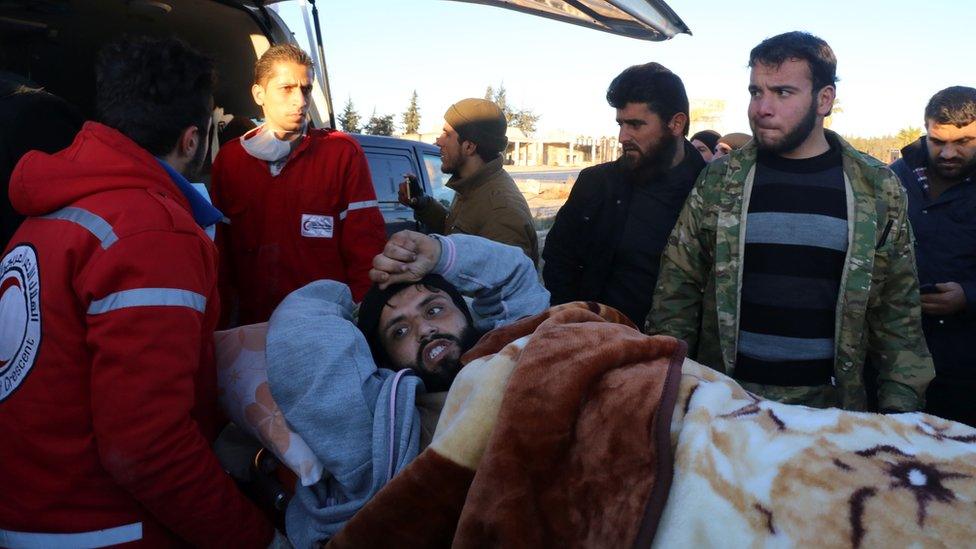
x=878, y=312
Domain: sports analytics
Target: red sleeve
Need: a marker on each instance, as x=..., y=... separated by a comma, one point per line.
x=147, y=329
x=226, y=278
x=363, y=229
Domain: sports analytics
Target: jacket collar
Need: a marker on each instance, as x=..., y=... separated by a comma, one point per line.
x=202, y=210
x=473, y=181
x=915, y=154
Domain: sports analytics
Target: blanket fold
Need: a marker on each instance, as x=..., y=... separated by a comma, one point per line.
x=555, y=433
x=572, y=429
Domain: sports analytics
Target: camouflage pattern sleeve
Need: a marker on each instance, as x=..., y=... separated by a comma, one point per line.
x=685, y=265
x=896, y=344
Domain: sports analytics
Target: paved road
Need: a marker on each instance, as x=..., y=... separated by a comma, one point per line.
x=549, y=175
x=545, y=211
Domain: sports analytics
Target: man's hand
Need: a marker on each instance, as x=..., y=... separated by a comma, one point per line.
x=407, y=257
x=410, y=192
x=949, y=299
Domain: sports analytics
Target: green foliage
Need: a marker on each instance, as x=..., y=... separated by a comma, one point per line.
x=837, y=109
x=501, y=99
x=523, y=119
x=379, y=124
x=886, y=148
x=349, y=119
x=411, y=118
x=909, y=134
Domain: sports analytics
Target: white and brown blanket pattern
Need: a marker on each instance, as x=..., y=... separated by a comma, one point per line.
x=556, y=434
x=754, y=473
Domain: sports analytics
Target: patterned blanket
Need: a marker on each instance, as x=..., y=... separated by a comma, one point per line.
x=755, y=473
x=571, y=429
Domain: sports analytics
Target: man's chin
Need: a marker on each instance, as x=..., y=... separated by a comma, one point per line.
x=778, y=146
x=289, y=126
x=440, y=380
x=632, y=159
x=954, y=172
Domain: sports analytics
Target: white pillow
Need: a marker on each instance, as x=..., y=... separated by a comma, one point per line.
x=244, y=395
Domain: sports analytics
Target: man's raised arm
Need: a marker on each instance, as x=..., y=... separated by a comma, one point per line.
x=502, y=280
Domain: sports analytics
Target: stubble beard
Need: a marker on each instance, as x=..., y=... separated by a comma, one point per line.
x=442, y=379
x=193, y=167
x=793, y=139
x=964, y=171
x=449, y=169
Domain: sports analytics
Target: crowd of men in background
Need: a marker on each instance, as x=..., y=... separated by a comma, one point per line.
x=806, y=270
x=789, y=262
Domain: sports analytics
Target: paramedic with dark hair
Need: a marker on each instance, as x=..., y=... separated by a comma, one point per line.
x=299, y=201
x=108, y=388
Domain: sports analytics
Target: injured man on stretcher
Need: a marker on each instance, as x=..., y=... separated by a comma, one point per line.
x=564, y=426
x=366, y=399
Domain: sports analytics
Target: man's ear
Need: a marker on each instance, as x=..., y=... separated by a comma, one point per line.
x=257, y=92
x=190, y=138
x=468, y=148
x=677, y=124
x=825, y=100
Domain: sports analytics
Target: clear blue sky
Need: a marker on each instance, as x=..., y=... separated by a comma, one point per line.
x=892, y=56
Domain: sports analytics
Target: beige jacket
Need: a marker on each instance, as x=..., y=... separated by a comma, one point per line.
x=487, y=204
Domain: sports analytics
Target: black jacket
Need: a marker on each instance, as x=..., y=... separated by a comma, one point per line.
x=582, y=246
x=945, y=249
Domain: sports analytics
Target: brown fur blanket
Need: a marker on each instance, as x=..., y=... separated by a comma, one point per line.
x=556, y=433
x=559, y=432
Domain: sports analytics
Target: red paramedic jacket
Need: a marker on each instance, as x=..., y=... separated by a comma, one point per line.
x=108, y=392
x=316, y=219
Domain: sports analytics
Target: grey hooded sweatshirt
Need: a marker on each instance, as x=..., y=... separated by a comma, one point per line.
x=362, y=421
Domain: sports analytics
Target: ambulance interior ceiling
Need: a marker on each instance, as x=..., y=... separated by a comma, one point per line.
x=54, y=43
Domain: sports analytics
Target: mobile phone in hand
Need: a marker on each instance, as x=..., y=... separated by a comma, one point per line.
x=414, y=189
x=927, y=289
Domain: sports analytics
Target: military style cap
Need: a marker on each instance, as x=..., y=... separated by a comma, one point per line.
x=480, y=121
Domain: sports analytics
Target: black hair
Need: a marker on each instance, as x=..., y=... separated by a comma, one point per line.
x=152, y=89
x=708, y=137
x=375, y=299
x=482, y=151
x=955, y=105
x=798, y=45
x=653, y=84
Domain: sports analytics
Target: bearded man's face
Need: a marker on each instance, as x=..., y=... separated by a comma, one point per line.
x=646, y=140
x=951, y=150
x=422, y=329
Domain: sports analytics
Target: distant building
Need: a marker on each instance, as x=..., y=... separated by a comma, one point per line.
x=553, y=149
x=707, y=114
x=559, y=149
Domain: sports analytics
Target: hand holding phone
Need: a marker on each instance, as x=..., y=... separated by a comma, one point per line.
x=410, y=193
x=943, y=298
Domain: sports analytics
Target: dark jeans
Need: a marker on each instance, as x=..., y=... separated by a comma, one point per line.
x=952, y=399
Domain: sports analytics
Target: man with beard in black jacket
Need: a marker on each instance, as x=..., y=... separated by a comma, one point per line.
x=606, y=242
x=939, y=175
